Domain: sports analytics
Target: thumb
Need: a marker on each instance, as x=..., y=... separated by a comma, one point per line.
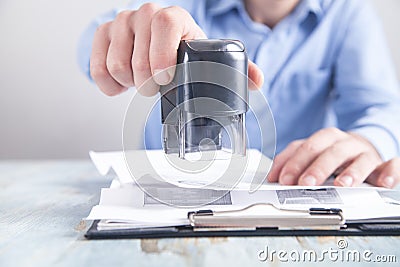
x=256, y=76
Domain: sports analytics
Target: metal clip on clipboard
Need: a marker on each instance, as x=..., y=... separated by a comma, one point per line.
x=250, y=218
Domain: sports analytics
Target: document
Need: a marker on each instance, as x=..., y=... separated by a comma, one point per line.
x=127, y=205
x=217, y=170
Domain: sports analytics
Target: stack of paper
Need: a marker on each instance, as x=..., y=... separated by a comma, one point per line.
x=132, y=203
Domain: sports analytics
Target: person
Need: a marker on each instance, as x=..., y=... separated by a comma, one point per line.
x=323, y=65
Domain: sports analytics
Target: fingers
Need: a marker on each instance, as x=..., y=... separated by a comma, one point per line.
x=356, y=173
x=281, y=159
x=137, y=46
x=336, y=155
x=140, y=59
x=256, y=76
x=168, y=27
x=120, y=50
x=386, y=175
x=305, y=155
x=310, y=162
x=98, y=59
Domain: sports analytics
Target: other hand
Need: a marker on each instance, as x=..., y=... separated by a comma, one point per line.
x=311, y=161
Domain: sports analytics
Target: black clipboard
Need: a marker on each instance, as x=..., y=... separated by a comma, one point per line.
x=206, y=223
x=386, y=229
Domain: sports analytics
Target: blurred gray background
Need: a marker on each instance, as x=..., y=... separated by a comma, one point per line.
x=48, y=108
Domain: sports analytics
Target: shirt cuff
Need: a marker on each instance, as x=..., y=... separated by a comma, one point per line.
x=383, y=141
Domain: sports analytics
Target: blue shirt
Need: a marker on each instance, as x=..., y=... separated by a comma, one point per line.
x=326, y=64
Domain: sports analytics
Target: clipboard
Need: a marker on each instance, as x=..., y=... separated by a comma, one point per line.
x=243, y=223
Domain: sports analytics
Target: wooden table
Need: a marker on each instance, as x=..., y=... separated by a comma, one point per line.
x=42, y=204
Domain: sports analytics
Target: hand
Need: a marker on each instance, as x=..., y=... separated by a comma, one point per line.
x=386, y=175
x=313, y=160
x=138, y=44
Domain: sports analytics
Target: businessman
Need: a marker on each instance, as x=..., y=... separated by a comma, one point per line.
x=322, y=64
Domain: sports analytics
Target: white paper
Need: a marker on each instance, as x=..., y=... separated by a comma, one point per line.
x=122, y=205
x=163, y=167
x=125, y=204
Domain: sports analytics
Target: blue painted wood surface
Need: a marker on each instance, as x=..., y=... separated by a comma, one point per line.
x=42, y=204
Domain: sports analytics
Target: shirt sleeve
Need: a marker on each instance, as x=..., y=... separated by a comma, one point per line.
x=86, y=39
x=367, y=98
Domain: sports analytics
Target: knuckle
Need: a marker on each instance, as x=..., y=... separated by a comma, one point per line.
x=310, y=147
x=123, y=15
x=122, y=20
x=372, y=152
x=371, y=159
x=365, y=160
x=98, y=72
x=164, y=17
x=295, y=144
x=140, y=65
x=118, y=67
x=148, y=9
x=336, y=149
x=278, y=160
x=333, y=131
x=177, y=9
x=103, y=28
x=330, y=131
x=292, y=168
